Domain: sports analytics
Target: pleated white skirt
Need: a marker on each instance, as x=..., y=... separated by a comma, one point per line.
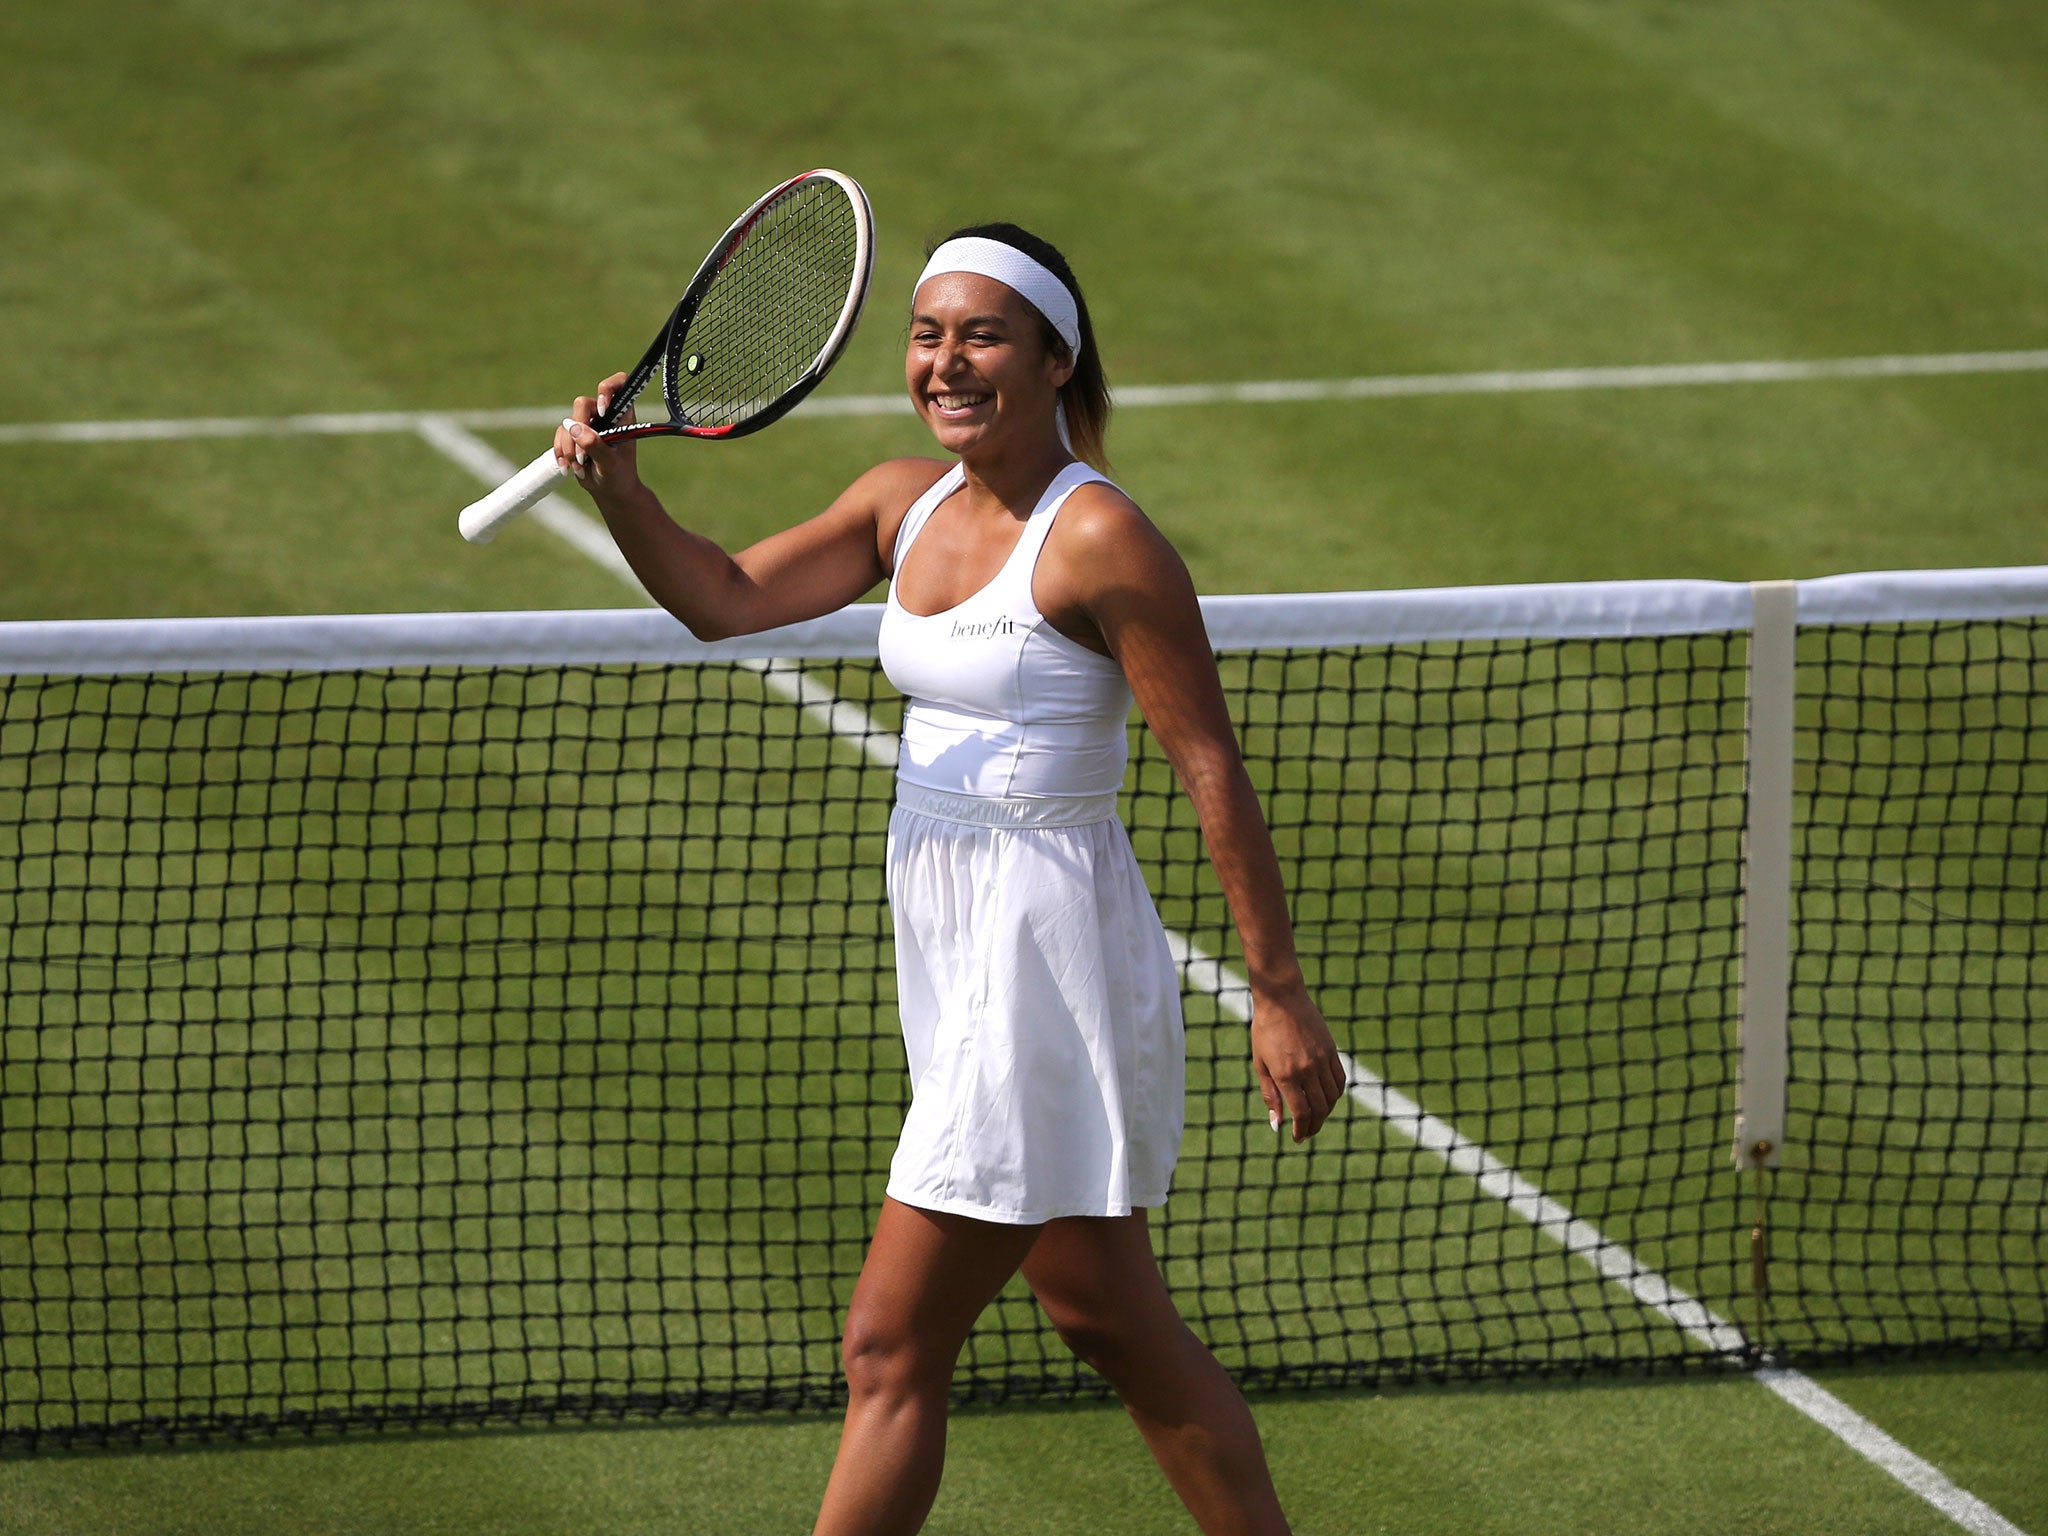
x=1041, y=1011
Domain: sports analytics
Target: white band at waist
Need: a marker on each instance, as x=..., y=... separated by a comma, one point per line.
x=988, y=811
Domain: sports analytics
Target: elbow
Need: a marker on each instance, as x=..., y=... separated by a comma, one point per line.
x=1214, y=770
x=1219, y=787
x=709, y=615
x=705, y=629
x=723, y=608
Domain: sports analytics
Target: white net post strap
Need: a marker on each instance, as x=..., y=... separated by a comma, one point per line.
x=1767, y=877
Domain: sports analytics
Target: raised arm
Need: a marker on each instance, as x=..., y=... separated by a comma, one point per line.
x=1122, y=574
x=800, y=573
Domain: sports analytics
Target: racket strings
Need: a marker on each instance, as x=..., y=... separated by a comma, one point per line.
x=770, y=312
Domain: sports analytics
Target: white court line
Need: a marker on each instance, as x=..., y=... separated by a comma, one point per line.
x=1872, y=1443
x=786, y=679
x=1254, y=392
x=1617, y=1264
x=554, y=513
x=1579, y=1238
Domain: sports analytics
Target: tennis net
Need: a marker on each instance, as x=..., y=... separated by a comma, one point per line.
x=446, y=1019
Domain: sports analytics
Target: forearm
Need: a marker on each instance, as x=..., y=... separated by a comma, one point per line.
x=688, y=574
x=1140, y=598
x=1247, y=868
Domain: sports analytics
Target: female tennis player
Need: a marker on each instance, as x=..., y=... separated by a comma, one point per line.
x=1029, y=601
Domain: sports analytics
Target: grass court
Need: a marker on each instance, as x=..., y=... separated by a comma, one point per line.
x=219, y=209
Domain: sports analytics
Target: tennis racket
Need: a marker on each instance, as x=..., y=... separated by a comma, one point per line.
x=764, y=319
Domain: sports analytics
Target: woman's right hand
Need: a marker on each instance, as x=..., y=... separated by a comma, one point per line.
x=604, y=467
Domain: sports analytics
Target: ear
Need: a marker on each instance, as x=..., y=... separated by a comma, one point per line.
x=1059, y=365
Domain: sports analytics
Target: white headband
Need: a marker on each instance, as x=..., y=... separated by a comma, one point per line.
x=1006, y=264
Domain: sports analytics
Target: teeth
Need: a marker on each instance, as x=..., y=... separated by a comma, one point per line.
x=959, y=402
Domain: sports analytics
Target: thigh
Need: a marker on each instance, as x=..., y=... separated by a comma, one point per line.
x=928, y=1276
x=1098, y=1274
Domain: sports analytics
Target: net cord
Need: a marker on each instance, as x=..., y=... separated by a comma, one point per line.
x=1560, y=610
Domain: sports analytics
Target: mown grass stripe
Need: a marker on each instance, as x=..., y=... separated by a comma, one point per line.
x=1249, y=392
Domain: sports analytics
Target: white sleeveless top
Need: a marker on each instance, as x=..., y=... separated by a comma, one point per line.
x=1001, y=704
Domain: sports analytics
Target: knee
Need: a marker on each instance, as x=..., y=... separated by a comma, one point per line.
x=883, y=1358
x=1093, y=1335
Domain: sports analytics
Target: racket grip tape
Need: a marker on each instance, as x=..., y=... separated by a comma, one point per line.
x=482, y=518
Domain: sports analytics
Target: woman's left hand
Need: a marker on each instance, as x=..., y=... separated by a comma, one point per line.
x=1301, y=1075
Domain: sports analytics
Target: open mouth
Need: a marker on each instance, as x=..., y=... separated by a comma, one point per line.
x=952, y=405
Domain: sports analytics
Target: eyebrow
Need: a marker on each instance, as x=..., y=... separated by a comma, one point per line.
x=971, y=320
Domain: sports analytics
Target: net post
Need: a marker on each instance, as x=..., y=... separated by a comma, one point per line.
x=1767, y=878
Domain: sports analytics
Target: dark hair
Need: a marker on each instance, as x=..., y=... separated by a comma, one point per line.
x=1085, y=395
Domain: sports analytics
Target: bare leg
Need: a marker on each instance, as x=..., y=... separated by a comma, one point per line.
x=1099, y=1283
x=926, y=1279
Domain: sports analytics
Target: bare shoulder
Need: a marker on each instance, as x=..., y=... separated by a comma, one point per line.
x=1099, y=510
x=909, y=478
x=889, y=490
x=1109, y=577
x=1103, y=538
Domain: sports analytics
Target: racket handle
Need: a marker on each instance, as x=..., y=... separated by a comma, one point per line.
x=482, y=518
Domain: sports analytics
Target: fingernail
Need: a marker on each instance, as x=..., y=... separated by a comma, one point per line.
x=1273, y=1116
x=580, y=459
x=569, y=422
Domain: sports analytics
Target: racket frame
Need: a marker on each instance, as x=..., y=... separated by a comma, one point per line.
x=667, y=343
x=481, y=519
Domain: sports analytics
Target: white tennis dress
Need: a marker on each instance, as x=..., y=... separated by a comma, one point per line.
x=1041, y=1006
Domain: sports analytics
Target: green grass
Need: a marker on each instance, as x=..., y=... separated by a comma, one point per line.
x=397, y=206
x=391, y=1045
x=242, y=206
x=1627, y=1457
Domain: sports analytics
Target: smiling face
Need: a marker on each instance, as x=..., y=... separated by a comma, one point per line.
x=978, y=368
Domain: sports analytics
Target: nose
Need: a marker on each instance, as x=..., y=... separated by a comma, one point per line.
x=945, y=357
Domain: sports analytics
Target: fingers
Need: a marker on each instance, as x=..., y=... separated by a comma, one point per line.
x=578, y=436
x=1307, y=1108
x=1336, y=1080
x=1319, y=1097
x=1308, y=1095
x=1276, y=1104
x=603, y=400
x=574, y=439
x=1311, y=1108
